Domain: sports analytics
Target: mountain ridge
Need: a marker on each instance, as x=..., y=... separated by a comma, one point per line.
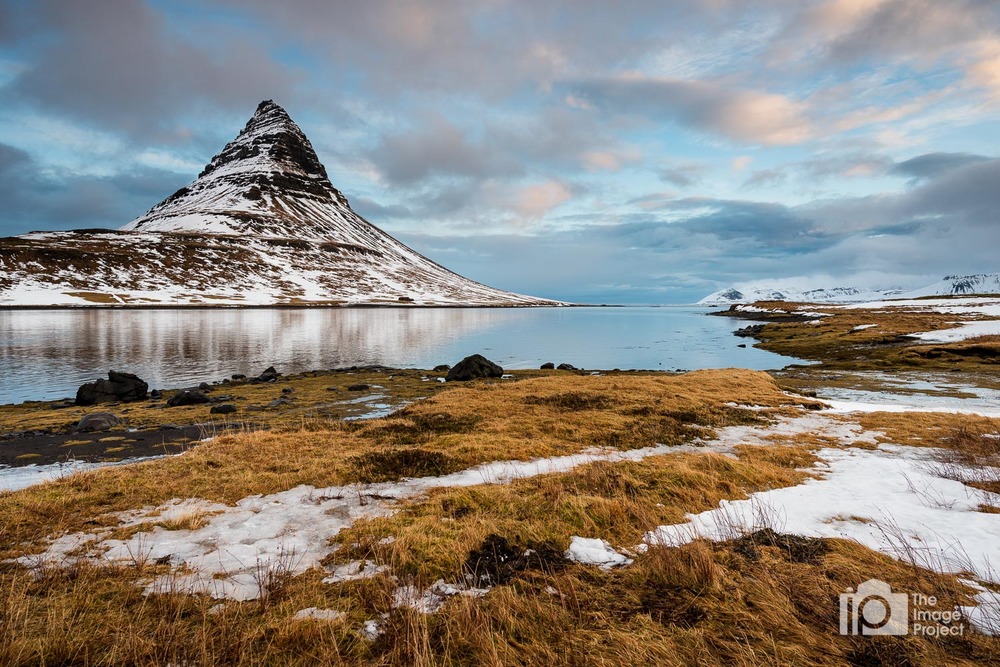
x=260, y=225
x=981, y=283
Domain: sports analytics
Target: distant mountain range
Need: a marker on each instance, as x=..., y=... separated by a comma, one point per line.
x=983, y=283
x=261, y=225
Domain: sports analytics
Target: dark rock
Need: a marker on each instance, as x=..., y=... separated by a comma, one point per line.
x=239, y=376
x=358, y=387
x=442, y=368
x=98, y=421
x=188, y=397
x=269, y=375
x=473, y=367
x=123, y=387
x=567, y=367
x=156, y=394
x=204, y=386
x=750, y=331
x=333, y=388
x=169, y=427
x=224, y=409
x=547, y=366
x=287, y=390
x=278, y=402
x=742, y=345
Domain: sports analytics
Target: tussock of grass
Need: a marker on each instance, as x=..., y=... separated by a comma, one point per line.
x=392, y=465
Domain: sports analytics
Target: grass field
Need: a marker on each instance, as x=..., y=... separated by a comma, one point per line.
x=494, y=551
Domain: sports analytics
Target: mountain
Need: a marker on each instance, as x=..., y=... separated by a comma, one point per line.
x=980, y=283
x=261, y=225
x=829, y=295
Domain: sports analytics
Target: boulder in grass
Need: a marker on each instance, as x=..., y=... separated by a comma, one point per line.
x=223, y=409
x=547, y=366
x=567, y=367
x=472, y=368
x=188, y=397
x=442, y=368
x=97, y=421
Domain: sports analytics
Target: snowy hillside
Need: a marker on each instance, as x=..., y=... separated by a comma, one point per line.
x=982, y=283
x=261, y=225
x=751, y=294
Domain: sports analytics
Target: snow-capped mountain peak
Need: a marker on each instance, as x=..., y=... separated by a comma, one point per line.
x=261, y=225
x=268, y=181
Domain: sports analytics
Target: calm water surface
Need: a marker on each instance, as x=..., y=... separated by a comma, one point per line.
x=47, y=354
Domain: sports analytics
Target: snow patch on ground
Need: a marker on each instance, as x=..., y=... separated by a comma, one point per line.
x=241, y=549
x=354, y=571
x=430, y=600
x=891, y=499
x=315, y=614
x=21, y=477
x=590, y=551
x=964, y=332
x=985, y=614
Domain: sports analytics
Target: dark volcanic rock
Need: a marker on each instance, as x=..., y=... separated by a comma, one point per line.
x=547, y=366
x=269, y=375
x=475, y=366
x=224, y=409
x=123, y=387
x=98, y=421
x=567, y=367
x=358, y=387
x=750, y=331
x=204, y=386
x=239, y=376
x=441, y=368
x=188, y=397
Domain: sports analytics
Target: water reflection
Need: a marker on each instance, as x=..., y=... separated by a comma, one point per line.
x=46, y=354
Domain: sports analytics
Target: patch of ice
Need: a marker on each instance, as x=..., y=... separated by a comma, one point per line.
x=592, y=551
x=863, y=327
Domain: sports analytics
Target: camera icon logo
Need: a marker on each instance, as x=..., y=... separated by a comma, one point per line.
x=874, y=610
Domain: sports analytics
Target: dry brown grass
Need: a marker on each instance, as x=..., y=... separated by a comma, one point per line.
x=763, y=599
x=835, y=344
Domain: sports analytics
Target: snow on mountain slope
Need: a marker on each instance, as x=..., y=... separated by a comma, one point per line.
x=261, y=225
x=751, y=294
x=981, y=283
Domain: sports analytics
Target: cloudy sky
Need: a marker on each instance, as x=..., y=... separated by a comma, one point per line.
x=632, y=152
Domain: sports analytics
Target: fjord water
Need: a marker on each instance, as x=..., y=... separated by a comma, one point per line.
x=47, y=354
